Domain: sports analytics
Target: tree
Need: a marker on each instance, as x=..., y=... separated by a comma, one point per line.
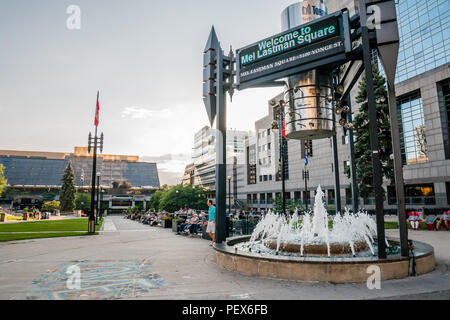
x=68, y=189
x=51, y=206
x=179, y=196
x=155, y=199
x=3, y=181
x=363, y=151
x=83, y=201
x=291, y=205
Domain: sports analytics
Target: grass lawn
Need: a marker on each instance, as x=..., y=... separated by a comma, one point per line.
x=45, y=229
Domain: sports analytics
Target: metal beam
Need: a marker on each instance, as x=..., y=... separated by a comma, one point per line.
x=221, y=161
x=373, y=132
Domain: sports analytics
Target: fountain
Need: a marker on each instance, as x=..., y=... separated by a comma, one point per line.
x=351, y=233
x=311, y=246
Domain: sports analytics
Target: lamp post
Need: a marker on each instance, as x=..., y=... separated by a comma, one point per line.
x=98, y=198
x=278, y=123
x=306, y=178
x=229, y=194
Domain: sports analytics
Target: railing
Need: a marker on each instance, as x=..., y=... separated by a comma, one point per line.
x=243, y=227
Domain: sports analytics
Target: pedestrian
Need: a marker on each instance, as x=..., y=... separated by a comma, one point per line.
x=445, y=218
x=211, y=228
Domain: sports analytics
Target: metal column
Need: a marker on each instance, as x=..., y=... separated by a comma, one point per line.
x=398, y=170
x=373, y=131
x=221, y=152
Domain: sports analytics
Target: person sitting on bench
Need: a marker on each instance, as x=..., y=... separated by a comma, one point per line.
x=444, y=219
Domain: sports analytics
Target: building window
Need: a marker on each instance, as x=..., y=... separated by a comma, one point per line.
x=413, y=141
x=262, y=198
x=251, y=165
x=270, y=177
x=265, y=177
x=424, y=36
x=420, y=194
x=348, y=196
x=268, y=146
x=297, y=195
x=331, y=197
x=444, y=108
x=268, y=132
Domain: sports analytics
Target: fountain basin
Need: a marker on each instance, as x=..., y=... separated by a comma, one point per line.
x=318, y=249
x=334, y=269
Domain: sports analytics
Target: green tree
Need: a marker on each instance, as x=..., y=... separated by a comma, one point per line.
x=155, y=199
x=51, y=206
x=180, y=196
x=68, y=189
x=363, y=151
x=291, y=205
x=83, y=201
x=3, y=181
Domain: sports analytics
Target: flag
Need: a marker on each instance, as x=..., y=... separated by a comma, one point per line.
x=306, y=157
x=97, y=111
x=283, y=130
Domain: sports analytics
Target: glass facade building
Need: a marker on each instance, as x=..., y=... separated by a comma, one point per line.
x=47, y=171
x=413, y=141
x=424, y=28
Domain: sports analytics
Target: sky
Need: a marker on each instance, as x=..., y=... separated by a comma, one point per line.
x=145, y=58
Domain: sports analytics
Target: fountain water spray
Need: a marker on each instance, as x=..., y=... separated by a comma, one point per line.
x=351, y=232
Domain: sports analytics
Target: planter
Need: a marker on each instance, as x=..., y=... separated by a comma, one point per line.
x=167, y=224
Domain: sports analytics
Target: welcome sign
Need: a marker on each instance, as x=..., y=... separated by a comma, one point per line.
x=294, y=47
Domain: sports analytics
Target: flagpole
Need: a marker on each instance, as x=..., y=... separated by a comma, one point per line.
x=91, y=223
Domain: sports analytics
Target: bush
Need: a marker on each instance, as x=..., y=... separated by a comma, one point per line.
x=51, y=206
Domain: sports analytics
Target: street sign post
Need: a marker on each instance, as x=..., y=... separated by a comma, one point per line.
x=326, y=43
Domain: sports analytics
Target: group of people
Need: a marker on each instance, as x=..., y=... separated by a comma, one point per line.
x=152, y=218
x=191, y=225
x=438, y=222
x=195, y=221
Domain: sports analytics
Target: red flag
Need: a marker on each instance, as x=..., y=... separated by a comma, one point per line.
x=97, y=112
x=283, y=130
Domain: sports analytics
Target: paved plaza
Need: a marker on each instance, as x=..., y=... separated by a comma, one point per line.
x=129, y=260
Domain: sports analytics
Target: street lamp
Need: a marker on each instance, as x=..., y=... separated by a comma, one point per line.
x=98, y=198
x=229, y=194
x=306, y=178
x=99, y=203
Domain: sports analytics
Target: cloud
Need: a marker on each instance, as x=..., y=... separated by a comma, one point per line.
x=170, y=166
x=144, y=113
x=170, y=178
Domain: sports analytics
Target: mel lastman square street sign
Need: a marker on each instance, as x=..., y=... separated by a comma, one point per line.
x=337, y=46
x=322, y=42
